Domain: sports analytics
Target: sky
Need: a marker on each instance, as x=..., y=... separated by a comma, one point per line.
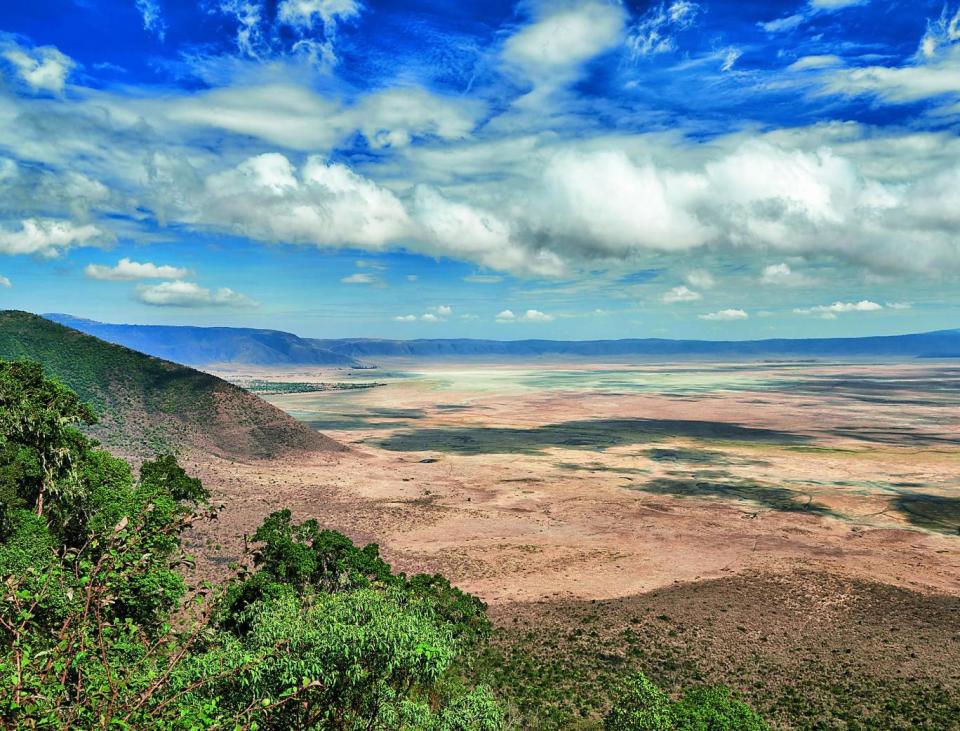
x=531, y=169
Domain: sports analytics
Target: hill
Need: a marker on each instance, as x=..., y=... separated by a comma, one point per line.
x=169, y=406
x=203, y=345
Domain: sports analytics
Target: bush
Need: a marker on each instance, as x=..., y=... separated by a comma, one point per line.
x=644, y=707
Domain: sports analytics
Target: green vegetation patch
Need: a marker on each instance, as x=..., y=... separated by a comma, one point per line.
x=593, y=434
x=768, y=496
x=933, y=512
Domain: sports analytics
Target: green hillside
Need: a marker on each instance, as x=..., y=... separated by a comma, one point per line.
x=146, y=404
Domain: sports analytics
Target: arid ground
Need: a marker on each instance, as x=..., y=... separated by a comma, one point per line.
x=798, y=520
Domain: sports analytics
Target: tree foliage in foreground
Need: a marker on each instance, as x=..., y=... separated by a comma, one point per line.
x=99, y=629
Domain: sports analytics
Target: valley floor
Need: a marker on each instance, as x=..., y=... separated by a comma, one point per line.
x=774, y=512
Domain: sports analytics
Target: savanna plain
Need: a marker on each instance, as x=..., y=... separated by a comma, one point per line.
x=786, y=528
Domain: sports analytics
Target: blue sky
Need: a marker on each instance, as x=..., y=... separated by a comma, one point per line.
x=564, y=169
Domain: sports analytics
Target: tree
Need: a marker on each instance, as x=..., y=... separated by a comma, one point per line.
x=317, y=634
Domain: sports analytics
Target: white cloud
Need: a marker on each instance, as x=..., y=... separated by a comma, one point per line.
x=469, y=317
x=562, y=37
x=266, y=197
x=899, y=305
x=152, y=17
x=405, y=318
x=43, y=68
x=443, y=310
x=934, y=72
x=126, y=270
x=941, y=32
x=730, y=58
x=528, y=316
x=412, y=277
x=829, y=312
x=680, y=294
x=305, y=14
x=835, y=4
x=359, y=278
x=805, y=63
x=483, y=278
x=189, y=294
x=655, y=31
x=784, y=24
x=5, y=282
x=725, y=315
x=429, y=317
x=535, y=316
x=47, y=238
x=700, y=278
x=781, y=275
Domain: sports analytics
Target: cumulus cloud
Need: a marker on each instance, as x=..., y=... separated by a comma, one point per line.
x=528, y=316
x=443, y=310
x=429, y=317
x=266, y=197
x=5, y=282
x=899, y=305
x=43, y=68
x=829, y=312
x=47, y=238
x=126, y=270
x=359, y=278
x=189, y=294
x=725, y=315
x=680, y=294
x=562, y=37
x=405, y=318
x=781, y=275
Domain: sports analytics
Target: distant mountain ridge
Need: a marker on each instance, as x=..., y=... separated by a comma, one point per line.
x=202, y=345
x=941, y=343
x=173, y=407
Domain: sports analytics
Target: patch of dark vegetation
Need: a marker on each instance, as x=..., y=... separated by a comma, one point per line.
x=352, y=423
x=894, y=435
x=699, y=456
x=600, y=467
x=934, y=512
x=397, y=413
x=768, y=496
x=598, y=434
x=886, y=659
x=281, y=387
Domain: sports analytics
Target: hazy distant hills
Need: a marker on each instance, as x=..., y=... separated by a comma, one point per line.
x=203, y=345
x=943, y=343
x=168, y=406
